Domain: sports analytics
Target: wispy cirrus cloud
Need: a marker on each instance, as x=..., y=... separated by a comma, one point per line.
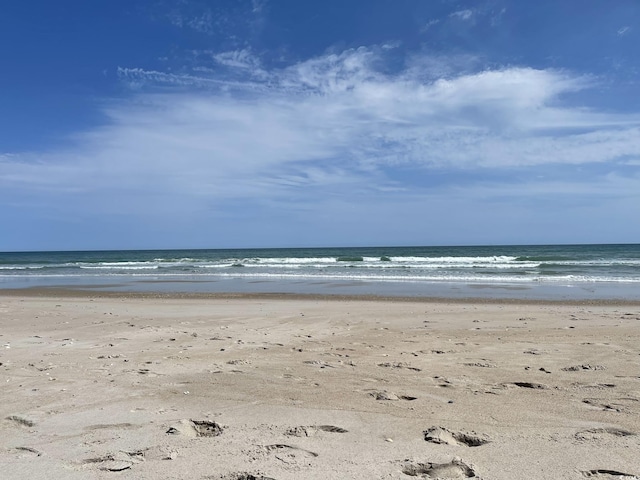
x=242, y=59
x=622, y=31
x=465, y=15
x=431, y=23
x=227, y=20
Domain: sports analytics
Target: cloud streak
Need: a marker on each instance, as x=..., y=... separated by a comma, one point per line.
x=622, y=31
x=466, y=15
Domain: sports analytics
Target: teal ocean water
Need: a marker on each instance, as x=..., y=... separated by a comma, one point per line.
x=549, y=271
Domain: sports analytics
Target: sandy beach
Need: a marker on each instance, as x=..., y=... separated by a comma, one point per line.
x=274, y=387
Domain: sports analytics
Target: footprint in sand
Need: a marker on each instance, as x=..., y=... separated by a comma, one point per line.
x=609, y=474
x=531, y=385
x=399, y=365
x=442, y=435
x=20, y=420
x=195, y=428
x=239, y=362
x=534, y=351
x=596, y=386
x=311, y=430
x=116, y=462
x=244, y=476
x=595, y=403
x=480, y=364
x=599, y=433
x=108, y=426
x=289, y=454
x=452, y=470
x=28, y=451
x=580, y=368
x=383, y=395
x=318, y=363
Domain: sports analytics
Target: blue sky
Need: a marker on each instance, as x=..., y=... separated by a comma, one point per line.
x=231, y=123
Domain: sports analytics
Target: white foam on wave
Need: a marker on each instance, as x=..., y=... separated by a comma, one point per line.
x=435, y=266
x=121, y=264
x=215, y=265
x=457, y=260
x=176, y=260
x=119, y=267
x=494, y=279
x=294, y=260
x=595, y=263
x=245, y=274
x=377, y=263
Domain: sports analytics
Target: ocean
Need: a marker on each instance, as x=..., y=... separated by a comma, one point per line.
x=536, y=272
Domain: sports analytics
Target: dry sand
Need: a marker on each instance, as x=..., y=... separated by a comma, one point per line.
x=315, y=388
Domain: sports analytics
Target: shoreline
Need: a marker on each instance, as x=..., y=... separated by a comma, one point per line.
x=45, y=292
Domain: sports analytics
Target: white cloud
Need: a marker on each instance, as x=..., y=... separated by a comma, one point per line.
x=138, y=77
x=229, y=21
x=331, y=125
x=465, y=15
x=243, y=59
x=258, y=5
x=624, y=30
x=496, y=18
x=203, y=22
x=429, y=24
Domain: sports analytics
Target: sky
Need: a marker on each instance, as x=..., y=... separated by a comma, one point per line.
x=128, y=124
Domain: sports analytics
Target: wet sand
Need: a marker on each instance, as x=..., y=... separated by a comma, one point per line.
x=303, y=387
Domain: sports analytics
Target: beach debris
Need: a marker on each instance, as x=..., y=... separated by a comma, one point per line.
x=441, y=435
